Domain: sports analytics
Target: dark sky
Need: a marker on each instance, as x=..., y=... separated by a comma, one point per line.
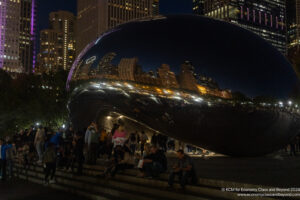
x=47, y=6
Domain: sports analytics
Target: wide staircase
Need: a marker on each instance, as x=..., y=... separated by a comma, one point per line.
x=126, y=185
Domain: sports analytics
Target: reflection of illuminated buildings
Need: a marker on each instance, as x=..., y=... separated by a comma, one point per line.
x=105, y=66
x=96, y=17
x=164, y=81
x=187, y=79
x=127, y=68
x=167, y=77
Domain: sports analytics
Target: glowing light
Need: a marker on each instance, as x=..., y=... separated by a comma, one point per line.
x=109, y=117
x=290, y=103
x=202, y=89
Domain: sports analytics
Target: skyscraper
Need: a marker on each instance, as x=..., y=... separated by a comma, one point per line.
x=17, y=35
x=97, y=16
x=63, y=22
x=57, y=44
x=48, y=57
x=27, y=36
x=198, y=7
x=293, y=23
x=263, y=17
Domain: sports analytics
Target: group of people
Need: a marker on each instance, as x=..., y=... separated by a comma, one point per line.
x=69, y=150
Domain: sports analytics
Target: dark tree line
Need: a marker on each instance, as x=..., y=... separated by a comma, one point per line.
x=27, y=99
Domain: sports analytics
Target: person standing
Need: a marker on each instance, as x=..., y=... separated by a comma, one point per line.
x=102, y=142
x=3, y=148
x=49, y=161
x=120, y=135
x=78, y=145
x=1, y=160
x=92, y=141
x=39, y=142
x=144, y=139
x=133, y=142
x=10, y=156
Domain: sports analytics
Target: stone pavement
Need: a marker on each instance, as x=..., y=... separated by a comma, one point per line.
x=22, y=190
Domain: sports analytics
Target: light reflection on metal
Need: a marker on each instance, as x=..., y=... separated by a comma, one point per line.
x=184, y=92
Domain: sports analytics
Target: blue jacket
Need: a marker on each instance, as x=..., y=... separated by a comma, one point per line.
x=3, y=150
x=56, y=139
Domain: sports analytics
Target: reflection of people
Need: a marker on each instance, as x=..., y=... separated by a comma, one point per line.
x=184, y=170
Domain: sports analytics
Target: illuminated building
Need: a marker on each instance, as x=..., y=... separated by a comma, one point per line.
x=63, y=22
x=97, y=16
x=17, y=35
x=167, y=77
x=27, y=36
x=57, y=44
x=263, y=17
x=48, y=57
x=127, y=68
x=293, y=23
x=187, y=79
x=198, y=7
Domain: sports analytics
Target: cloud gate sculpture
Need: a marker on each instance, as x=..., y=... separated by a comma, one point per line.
x=203, y=81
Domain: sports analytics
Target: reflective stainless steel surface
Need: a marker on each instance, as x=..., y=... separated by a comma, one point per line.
x=203, y=81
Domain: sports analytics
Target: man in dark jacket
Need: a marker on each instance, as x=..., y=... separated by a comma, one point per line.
x=155, y=163
x=184, y=170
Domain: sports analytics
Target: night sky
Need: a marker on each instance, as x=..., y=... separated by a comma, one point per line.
x=47, y=6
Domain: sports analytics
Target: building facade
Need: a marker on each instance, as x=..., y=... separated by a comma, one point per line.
x=17, y=35
x=48, y=57
x=264, y=17
x=293, y=23
x=198, y=7
x=57, y=44
x=97, y=16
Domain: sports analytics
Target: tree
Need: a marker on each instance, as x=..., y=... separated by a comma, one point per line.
x=32, y=98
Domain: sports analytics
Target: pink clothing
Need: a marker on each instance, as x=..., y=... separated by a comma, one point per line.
x=119, y=138
x=119, y=134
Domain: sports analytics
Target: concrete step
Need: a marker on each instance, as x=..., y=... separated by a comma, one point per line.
x=128, y=186
x=113, y=187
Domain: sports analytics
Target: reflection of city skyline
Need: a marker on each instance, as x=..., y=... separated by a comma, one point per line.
x=128, y=69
